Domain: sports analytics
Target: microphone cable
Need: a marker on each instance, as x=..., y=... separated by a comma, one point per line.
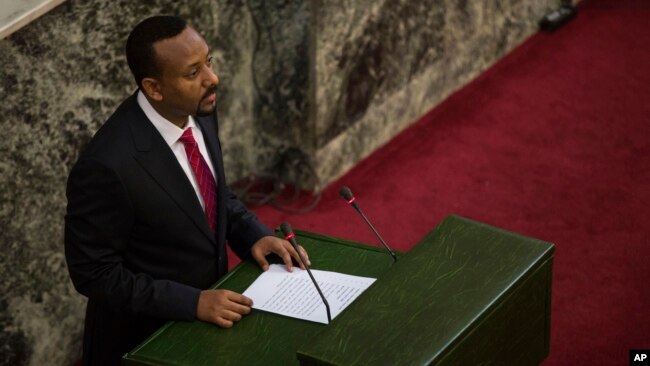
x=256, y=191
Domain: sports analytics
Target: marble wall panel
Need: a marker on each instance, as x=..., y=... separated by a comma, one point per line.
x=380, y=65
x=282, y=81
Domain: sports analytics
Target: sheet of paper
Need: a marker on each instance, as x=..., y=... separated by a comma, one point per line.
x=293, y=293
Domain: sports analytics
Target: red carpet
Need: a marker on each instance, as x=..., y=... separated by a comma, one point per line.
x=552, y=142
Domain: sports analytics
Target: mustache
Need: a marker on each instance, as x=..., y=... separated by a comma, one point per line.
x=211, y=90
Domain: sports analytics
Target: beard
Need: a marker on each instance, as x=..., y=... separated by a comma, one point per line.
x=202, y=112
x=206, y=112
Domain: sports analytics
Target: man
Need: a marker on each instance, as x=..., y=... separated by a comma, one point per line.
x=148, y=208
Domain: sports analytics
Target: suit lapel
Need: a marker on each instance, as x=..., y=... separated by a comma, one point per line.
x=155, y=156
x=210, y=136
x=209, y=129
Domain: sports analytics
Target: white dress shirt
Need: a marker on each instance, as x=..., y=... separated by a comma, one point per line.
x=171, y=133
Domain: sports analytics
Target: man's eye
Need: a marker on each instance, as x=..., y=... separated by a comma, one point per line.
x=209, y=61
x=193, y=73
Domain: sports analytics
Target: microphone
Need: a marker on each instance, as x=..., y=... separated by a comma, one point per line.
x=291, y=237
x=347, y=195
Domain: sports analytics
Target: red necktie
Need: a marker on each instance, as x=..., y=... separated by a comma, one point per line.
x=203, y=176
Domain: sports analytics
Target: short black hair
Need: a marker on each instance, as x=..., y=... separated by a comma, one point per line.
x=139, y=46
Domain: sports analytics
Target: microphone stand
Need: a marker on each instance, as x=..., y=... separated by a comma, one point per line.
x=290, y=236
x=356, y=207
x=347, y=195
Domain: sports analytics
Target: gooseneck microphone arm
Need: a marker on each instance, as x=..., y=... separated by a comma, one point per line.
x=347, y=195
x=291, y=237
x=377, y=234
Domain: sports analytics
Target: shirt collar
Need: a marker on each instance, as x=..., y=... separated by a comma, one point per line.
x=169, y=131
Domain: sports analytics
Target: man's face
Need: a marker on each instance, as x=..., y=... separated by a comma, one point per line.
x=187, y=84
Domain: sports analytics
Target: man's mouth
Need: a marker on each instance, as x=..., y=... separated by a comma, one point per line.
x=210, y=97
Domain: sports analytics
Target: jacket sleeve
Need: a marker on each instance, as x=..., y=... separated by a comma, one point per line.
x=97, y=230
x=243, y=228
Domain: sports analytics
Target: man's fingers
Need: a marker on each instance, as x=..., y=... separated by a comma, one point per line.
x=295, y=256
x=304, y=255
x=224, y=323
x=264, y=264
x=281, y=248
x=239, y=308
x=231, y=315
x=286, y=257
x=260, y=258
x=222, y=307
x=240, y=299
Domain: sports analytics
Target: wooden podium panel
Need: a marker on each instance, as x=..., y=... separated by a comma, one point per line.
x=467, y=294
x=260, y=338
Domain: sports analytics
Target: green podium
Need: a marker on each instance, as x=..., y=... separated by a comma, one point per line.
x=466, y=294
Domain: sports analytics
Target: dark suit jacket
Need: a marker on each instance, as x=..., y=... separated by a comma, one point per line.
x=137, y=241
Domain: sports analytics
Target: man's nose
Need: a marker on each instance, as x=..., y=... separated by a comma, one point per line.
x=212, y=79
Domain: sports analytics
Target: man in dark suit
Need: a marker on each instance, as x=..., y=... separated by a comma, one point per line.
x=148, y=208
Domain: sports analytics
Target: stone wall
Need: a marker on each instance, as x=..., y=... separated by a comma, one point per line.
x=381, y=66
x=331, y=80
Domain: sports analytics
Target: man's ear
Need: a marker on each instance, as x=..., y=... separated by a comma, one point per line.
x=151, y=87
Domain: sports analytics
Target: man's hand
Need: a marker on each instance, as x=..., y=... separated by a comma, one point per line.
x=222, y=307
x=281, y=247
